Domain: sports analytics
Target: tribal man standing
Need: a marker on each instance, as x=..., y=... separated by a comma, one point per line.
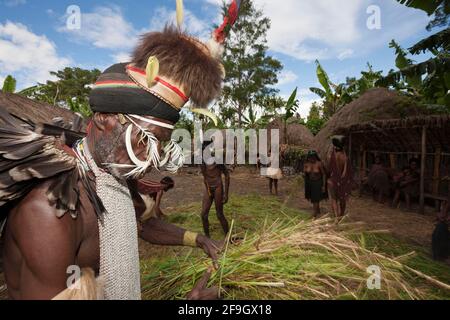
x=70, y=206
x=215, y=192
x=340, y=181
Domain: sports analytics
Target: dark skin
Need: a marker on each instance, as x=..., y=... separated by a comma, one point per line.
x=408, y=179
x=39, y=247
x=316, y=170
x=338, y=206
x=273, y=183
x=215, y=193
x=377, y=195
x=140, y=203
x=158, y=210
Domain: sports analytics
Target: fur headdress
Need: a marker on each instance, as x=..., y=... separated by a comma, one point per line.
x=168, y=69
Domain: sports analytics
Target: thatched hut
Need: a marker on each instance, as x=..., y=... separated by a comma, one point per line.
x=295, y=140
x=424, y=137
x=375, y=104
x=35, y=111
x=296, y=134
x=385, y=123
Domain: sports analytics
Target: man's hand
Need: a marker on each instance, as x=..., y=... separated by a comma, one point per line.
x=201, y=292
x=211, y=247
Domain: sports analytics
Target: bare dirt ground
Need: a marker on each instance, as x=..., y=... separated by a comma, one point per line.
x=409, y=226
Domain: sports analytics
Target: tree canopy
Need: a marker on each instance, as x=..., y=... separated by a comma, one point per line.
x=250, y=71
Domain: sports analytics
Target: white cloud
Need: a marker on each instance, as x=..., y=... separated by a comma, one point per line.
x=14, y=3
x=309, y=30
x=121, y=57
x=27, y=56
x=286, y=77
x=305, y=106
x=107, y=28
x=104, y=28
x=346, y=54
x=325, y=29
x=192, y=23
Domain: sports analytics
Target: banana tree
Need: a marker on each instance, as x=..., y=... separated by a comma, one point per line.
x=335, y=96
x=291, y=107
x=439, y=8
x=9, y=85
x=429, y=6
x=251, y=121
x=428, y=81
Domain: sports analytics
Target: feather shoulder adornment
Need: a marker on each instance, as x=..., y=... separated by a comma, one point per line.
x=27, y=158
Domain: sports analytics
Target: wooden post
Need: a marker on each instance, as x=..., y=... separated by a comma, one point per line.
x=422, y=170
x=393, y=160
x=350, y=147
x=437, y=175
x=364, y=164
x=437, y=169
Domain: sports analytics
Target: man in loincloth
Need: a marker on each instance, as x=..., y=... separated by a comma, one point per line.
x=69, y=207
x=315, y=181
x=378, y=180
x=215, y=192
x=408, y=184
x=340, y=182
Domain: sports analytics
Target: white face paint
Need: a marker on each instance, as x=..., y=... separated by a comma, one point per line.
x=173, y=154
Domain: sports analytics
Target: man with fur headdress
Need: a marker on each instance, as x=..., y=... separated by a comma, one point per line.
x=69, y=207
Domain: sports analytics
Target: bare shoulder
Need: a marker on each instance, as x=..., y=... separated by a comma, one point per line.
x=36, y=216
x=34, y=205
x=46, y=244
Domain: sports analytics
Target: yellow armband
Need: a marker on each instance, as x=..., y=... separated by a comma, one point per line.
x=190, y=239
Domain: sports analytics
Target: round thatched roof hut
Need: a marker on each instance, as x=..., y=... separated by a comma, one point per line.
x=297, y=135
x=375, y=104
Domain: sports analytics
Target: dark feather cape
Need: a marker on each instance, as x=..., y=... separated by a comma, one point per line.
x=32, y=153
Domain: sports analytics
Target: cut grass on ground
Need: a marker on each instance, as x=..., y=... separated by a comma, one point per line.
x=286, y=255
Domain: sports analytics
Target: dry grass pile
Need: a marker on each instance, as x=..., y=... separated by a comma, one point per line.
x=290, y=258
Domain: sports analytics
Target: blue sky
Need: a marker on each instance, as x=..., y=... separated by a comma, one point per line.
x=34, y=38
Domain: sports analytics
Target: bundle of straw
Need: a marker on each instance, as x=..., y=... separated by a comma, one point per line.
x=292, y=260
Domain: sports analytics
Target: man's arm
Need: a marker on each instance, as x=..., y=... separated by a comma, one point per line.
x=158, y=211
x=324, y=177
x=226, y=173
x=47, y=246
x=344, y=173
x=409, y=180
x=159, y=232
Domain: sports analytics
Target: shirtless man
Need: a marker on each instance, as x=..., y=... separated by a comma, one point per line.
x=71, y=205
x=340, y=181
x=43, y=257
x=407, y=184
x=378, y=180
x=215, y=192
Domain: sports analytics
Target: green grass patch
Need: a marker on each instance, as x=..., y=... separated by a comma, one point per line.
x=286, y=255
